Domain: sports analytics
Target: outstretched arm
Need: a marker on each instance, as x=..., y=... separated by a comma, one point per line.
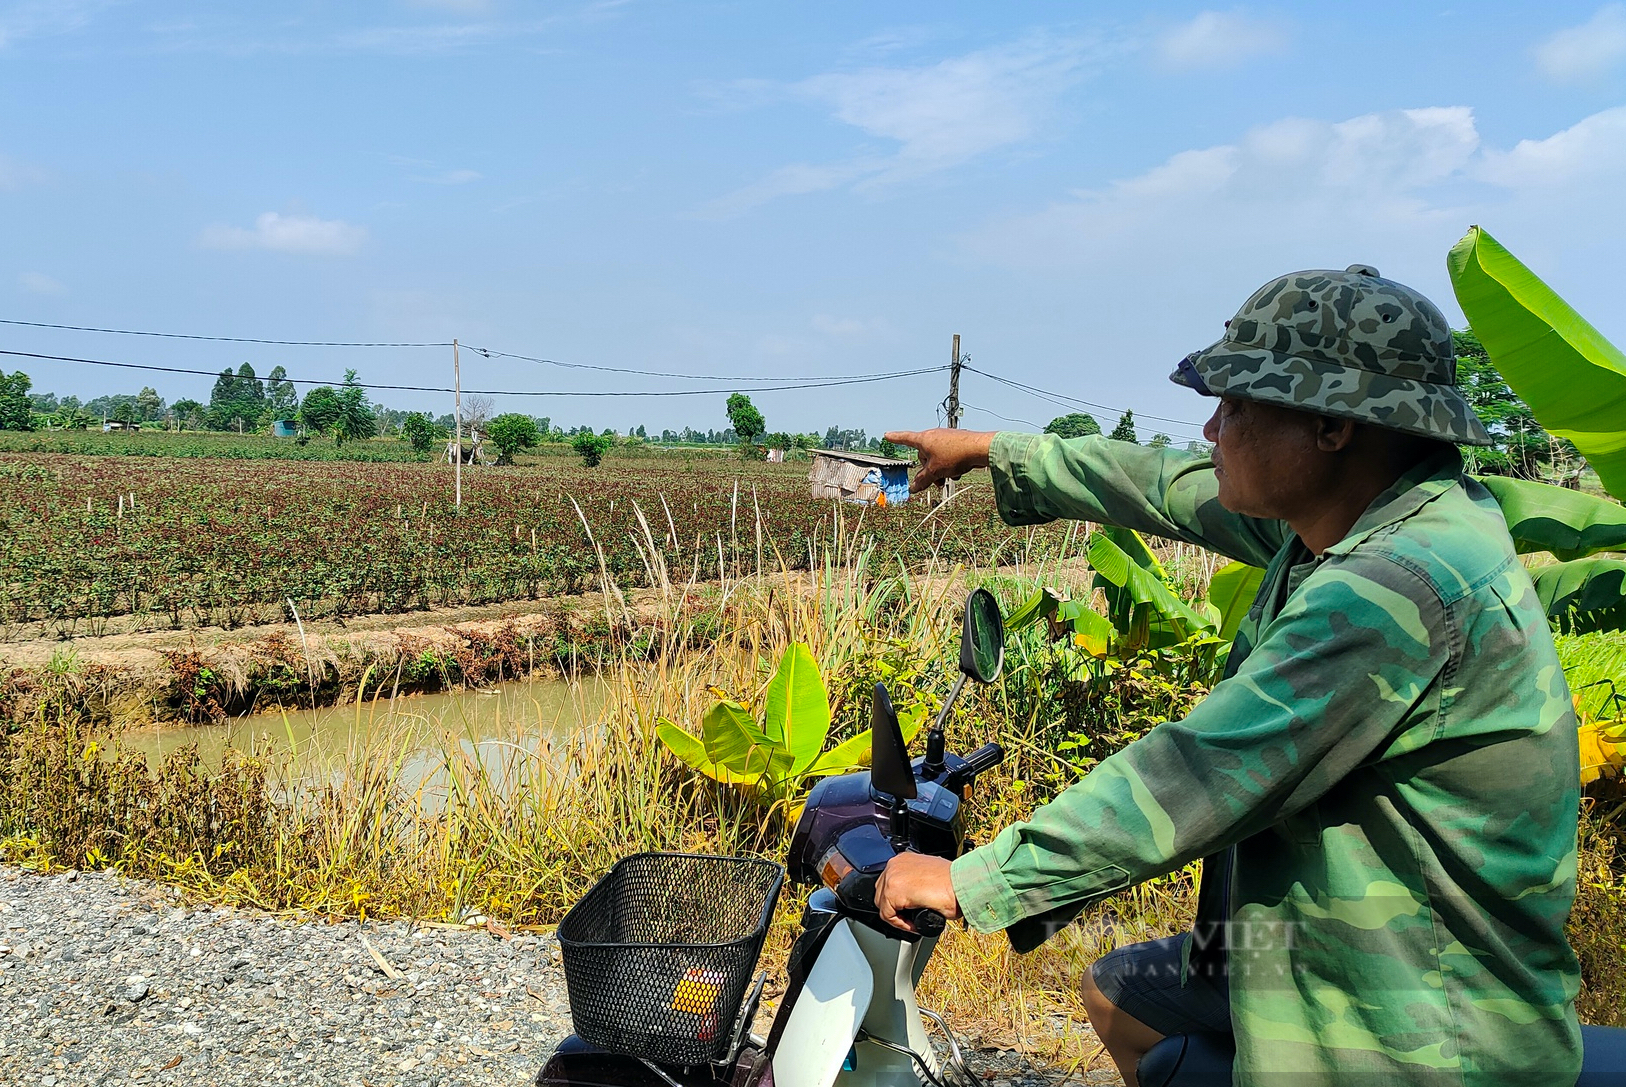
x=1040, y=478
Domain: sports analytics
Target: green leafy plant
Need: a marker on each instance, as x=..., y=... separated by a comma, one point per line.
x=1568, y=524
x=592, y=447
x=1572, y=377
x=1586, y=596
x=512, y=433
x=786, y=750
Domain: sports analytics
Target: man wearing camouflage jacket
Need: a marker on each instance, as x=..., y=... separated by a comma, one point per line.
x=1384, y=785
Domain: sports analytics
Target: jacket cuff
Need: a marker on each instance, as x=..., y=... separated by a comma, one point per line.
x=986, y=901
x=1008, y=458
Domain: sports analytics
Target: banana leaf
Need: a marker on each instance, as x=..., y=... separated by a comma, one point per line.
x=1585, y=596
x=691, y=751
x=1135, y=546
x=796, y=709
x=1231, y=591
x=1036, y=608
x=1092, y=632
x=1570, y=524
x=1141, y=606
x=1573, y=379
x=854, y=752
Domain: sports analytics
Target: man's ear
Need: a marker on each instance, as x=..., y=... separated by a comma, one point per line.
x=1334, y=435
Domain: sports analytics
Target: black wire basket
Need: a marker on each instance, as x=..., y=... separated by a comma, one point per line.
x=659, y=953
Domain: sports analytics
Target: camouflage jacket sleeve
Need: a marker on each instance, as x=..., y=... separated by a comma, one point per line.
x=1347, y=673
x=1165, y=492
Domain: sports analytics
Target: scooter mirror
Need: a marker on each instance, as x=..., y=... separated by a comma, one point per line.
x=982, y=638
x=890, y=771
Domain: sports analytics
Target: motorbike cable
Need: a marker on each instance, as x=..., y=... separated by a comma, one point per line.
x=920, y=1062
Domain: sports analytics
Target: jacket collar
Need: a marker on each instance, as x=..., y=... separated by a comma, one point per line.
x=1419, y=486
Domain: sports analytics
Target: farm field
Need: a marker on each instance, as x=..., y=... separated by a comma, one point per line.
x=194, y=444
x=185, y=542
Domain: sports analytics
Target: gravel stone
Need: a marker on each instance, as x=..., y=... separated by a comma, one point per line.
x=108, y=982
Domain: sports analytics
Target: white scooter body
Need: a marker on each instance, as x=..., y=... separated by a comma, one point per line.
x=865, y=981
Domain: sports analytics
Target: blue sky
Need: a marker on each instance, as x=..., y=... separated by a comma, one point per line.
x=1083, y=192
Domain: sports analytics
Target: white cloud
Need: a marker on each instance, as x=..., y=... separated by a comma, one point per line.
x=40, y=283
x=1220, y=39
x=850, y=328
x=1584, y=52
x=451, y=177
x=14, y=175
x=1368, y=174
x=460, y=7
x=289, y=234
x=1592, y=150
x=938, y=116
x=43, y=18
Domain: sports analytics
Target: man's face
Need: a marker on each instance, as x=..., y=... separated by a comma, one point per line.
x=1265, y=457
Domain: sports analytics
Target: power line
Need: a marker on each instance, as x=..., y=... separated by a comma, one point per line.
x=485, y=351
x=1054, y=398
x=1076, y=400
x=996, y=415
x=216, y=339
x=492, y=354
x=499, y=392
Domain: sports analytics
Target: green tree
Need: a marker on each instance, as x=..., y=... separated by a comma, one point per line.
x=1523, y=447
x=1160, y=441
x=321, y=409
x=592, y=447
x=126, y=413
x=16, y=413
x=237, y=400
x=281, y=398
x=188, y=413
x=149, y=405
x=419, y=430
x=1125, y=430
x=511, y=433
x=1074, y=425
x=356, y=419
x=746, y=419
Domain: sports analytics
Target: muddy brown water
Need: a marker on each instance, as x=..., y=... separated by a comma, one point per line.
x=505, y=726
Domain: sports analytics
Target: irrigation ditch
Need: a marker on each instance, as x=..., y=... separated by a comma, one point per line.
x=209, y=675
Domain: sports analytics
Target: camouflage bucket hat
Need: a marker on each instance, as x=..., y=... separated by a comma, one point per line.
x=1350, y=344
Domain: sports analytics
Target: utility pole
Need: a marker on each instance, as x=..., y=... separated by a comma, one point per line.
x=457, y=422
x=951, y=406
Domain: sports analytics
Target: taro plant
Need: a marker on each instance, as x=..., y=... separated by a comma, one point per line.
x=779, y=755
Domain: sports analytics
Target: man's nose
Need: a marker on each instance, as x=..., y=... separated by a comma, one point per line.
x=1211, y=428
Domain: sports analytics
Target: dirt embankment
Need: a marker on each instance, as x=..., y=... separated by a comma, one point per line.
x=208, y=673
x=143, y=677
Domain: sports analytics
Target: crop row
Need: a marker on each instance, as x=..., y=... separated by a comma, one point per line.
x=210, y=541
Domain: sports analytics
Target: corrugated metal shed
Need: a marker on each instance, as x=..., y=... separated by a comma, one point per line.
x=859, y=477
x=285, y=428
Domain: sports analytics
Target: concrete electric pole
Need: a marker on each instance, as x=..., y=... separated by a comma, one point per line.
x=951, y=405
x=457, y=422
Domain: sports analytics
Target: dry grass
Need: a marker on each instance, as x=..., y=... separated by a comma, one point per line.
x=518, y=831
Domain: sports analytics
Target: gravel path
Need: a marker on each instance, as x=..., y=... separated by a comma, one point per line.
x=110, y=981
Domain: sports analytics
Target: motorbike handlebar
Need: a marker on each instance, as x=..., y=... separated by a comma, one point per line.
x=927, y=922
x=982, y=759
